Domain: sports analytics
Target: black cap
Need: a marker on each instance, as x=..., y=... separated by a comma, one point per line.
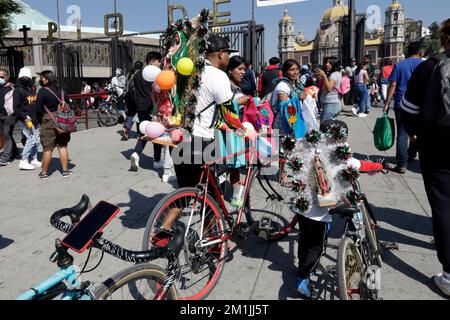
x=217, y=43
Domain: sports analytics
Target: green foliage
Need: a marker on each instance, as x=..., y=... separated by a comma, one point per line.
x=7, y=9
x=432, y=43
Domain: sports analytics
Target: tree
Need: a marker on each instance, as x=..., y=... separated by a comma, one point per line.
x=7, y=9
x=432, y=43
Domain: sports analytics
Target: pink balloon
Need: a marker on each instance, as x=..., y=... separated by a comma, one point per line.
x=154, y=130
x=177, y=136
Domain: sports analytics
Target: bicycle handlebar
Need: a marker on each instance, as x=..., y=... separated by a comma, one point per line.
x=75, y=213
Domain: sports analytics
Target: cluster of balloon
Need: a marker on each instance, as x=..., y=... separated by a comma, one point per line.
x=152, y=130
x=185, y=66
x=150, y=73
x=166, y=79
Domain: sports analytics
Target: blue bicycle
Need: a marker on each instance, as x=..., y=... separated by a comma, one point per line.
x=142, y=281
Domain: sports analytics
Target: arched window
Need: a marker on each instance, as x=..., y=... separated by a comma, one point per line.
x=285, y=29
x=285, y=42
x=396, y=16
x=395, y=33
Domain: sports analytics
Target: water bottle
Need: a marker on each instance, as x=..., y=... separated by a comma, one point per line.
x=238, y=197
x=29, y=123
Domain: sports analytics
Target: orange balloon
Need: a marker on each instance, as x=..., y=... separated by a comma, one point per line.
x=166, y=79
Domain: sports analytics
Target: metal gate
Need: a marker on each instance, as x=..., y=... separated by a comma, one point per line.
x=12, y=61
x=68, y=67
x=248, y=38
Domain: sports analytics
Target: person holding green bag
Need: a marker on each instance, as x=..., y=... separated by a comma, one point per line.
x=384, y=133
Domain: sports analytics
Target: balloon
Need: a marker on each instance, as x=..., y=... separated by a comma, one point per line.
x=185, y=66
x=176, y=136
x=166, y=79
x=143, y=125
x=154, y=130
x=150, y=73
x=156, y=88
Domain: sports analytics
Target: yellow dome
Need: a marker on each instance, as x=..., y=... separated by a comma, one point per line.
x=286, y=17
x=395, y=5
x=335, y=13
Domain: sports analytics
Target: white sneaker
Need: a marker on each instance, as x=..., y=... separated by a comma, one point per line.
x=362, y=115
x=134, y=162
x=355, y=111
x=442, y=283
x=158, y=165
x=167, y=178
x=36, y=163
x=25, y=165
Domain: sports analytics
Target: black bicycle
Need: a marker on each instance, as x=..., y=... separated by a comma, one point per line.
x=142, y=281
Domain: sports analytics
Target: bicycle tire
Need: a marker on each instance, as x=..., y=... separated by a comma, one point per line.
x=217, y=255
x=283, y=219
x=348, y=249
x=112, y=120
x=370, y=228
x=154, y=278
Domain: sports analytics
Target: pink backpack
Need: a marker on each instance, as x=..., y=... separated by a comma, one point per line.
x=345, y=85
x=261, y=116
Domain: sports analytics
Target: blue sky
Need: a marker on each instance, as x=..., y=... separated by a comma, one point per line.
x=148, y=15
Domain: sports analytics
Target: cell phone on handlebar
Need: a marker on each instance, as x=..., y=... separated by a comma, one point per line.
x=82, y=235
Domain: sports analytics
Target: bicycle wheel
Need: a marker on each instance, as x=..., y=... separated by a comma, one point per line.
x=200, y=267
x=108, y=115
x=350, y=271
x=269, y=206
x=138, y=282
x=371, y=232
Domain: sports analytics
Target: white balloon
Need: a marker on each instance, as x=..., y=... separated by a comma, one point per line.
x=143, y=125
x=249, y=126
x=150, y=73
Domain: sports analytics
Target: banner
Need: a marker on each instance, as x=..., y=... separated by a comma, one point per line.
x=266, y=3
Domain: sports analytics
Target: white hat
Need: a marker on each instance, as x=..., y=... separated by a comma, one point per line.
x=25, y=72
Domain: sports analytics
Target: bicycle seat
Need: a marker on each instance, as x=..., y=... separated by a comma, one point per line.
x=344, y=211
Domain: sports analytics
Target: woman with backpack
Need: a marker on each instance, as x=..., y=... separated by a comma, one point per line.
x=330, y=78
x=49, y=98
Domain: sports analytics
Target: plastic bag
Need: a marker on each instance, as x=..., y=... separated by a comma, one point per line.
x=384, y=133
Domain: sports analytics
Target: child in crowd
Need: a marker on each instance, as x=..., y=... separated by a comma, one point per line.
x=315, y=227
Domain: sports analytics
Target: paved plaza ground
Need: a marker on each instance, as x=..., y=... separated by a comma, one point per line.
x=261, y=270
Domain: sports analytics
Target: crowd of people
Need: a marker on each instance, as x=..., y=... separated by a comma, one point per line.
x=228, y=82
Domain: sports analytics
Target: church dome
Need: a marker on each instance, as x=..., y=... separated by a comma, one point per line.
x=394, y=6
x=337, y=11
x=286, y=17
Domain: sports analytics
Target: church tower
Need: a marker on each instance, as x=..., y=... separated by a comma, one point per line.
x=286, y=41
x=394, y=32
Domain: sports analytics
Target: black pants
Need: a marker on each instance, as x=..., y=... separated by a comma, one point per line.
x=140, y=145
x=311, y=245
x=189, y=171
x=436, y=177
x=10, y=150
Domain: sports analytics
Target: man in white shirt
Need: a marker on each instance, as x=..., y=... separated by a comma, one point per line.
x=213, y=94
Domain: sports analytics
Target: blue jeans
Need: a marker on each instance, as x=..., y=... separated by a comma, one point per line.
x=30, y=149
x=404, y=153
x=330, y=111
x=363, y=95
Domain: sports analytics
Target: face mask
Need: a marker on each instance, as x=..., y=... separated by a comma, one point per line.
x=25, y=81
x=2, y=82
x=42, y=83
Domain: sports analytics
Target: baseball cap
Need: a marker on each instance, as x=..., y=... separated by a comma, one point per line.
x=218, y=43
x=25, y=72
x=353, y=60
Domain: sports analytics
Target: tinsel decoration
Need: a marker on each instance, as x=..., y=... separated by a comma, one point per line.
x=303, y=205
x=298, y=186
x=354, y=197
x=338, y=133
x=343, y=152
x=313, y=137
x=296, y=164
x=350, y=174
x=288, y=144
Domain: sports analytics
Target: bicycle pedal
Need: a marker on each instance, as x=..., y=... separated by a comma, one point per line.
x=389, y=245
x=332, y=270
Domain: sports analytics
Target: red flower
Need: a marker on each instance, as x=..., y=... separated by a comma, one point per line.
x=291, y=110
